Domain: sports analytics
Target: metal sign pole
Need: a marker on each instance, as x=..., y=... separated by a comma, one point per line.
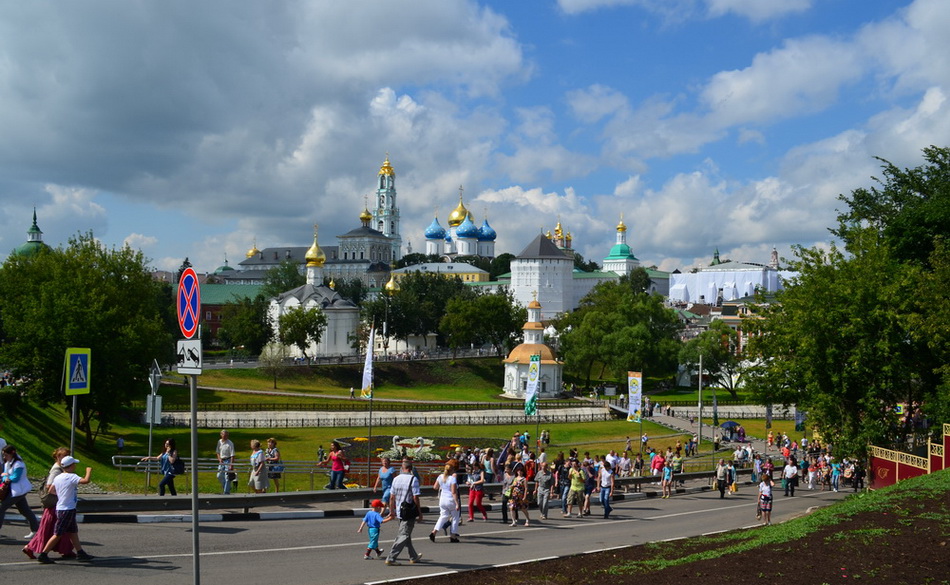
x=155, y=378
x=193, y=386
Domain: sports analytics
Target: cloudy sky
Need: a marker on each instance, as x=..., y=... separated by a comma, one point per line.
x=197, y=128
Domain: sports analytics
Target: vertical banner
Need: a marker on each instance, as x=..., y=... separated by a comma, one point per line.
x=635, y=399
x=366, y=390
x=531, y=392
x=800, y=416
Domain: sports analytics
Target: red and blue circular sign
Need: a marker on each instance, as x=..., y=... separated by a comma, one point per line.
x=189, y=303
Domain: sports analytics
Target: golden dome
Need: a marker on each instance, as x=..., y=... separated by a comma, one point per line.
x=387, y=169
x=253, y=251
x=315, y=256
x=548, y=235
x=391, y=286
x=332, y=284
x=366, y=216
x=621, y=227
x=522, y=354
x=557, y=229
x=569, y=237
x=458, y=214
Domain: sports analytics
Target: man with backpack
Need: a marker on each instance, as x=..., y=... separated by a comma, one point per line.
x=404, y=505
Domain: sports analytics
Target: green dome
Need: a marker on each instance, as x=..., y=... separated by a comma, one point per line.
x=620, y=251
x=34, y=240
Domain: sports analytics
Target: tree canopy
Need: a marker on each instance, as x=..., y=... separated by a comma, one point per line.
x=909, y=209
x=623, y=328
x=722, y=360
x=488, y=318
x=85, y=295
x=245, y=322
x=301, y=328
x=282, y=278
x=864, y=329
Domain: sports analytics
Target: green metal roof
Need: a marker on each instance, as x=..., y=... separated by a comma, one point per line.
x=220, y=294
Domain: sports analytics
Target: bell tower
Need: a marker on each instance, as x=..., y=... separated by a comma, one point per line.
x=385, y=212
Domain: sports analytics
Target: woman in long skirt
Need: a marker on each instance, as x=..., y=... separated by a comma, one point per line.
x=48, y=519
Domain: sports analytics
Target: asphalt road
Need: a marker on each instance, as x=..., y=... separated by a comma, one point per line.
x=329, y=551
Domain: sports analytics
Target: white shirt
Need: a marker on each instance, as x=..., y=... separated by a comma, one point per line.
x=66, y=484
x=405, y=485
x=446, y=497
x=225, y=449
x=765, y=489
x=790, y=471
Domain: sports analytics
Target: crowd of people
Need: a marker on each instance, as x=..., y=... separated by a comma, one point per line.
x=526, y=475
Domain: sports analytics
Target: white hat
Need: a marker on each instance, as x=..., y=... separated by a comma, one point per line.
x=68, y=460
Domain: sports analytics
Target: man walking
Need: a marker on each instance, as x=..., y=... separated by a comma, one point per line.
x=225, y=453
x=404, y=505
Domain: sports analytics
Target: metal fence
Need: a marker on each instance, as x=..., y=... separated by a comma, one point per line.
x=344, y=405
x=288, y=420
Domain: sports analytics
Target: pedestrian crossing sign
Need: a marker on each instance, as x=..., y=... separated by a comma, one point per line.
x=78, y=360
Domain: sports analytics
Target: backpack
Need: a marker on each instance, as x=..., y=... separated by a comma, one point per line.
x=178, y=467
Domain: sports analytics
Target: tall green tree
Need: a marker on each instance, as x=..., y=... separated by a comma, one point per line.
x=500, y=320
x=908, y=208
x=486, y=318
x=245, y=322
x=84, y=295
x=282, y=278
x=840, y=342
x=722, y=358
x=622, y=328
x=416, y=308
x=301, y=328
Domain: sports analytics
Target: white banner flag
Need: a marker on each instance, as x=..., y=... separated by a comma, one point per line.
x=531, y=392
x=635, y=398
x=367, y=388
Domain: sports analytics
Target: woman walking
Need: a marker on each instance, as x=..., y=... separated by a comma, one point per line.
x=338, y=465
x=14, y=474
x=384, y=479
x=275, y=467
x=48, y=519
x=765, y=499
x=258, y=480
x=518, y=500
x=476, y=491
x=447, y=486
x=165, y=462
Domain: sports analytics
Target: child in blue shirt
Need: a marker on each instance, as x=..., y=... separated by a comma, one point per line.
x=373, y=520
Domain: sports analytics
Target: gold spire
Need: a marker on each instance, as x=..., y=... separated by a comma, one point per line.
x=315, y=256
x=387, y=169
x=332, y=285
x=621, y=227
x=458, y=214
x=548, y=235
x=557, y=229
x=253, y=251
x=391, y=286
